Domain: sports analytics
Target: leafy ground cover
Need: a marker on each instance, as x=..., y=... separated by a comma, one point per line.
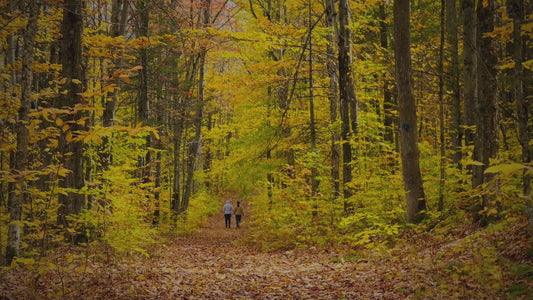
x=463, y=263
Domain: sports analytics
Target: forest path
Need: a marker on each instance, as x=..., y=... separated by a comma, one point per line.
x=208, y=265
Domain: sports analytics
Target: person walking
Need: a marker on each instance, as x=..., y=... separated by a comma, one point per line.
x=239, y=212
x=228, y=209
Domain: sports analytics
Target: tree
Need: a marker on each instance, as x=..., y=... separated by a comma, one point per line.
x=388, y=100
x=312, y=124
x=195, y=148
x=331, y=23
x=442, y=166
x=348, y=99
x=415, y=197
x=22, y=132
x=516, y=11
x=143, y=103
x=119, y=13
x=73, y=201
x=469, y=68
x=486, y=146
x=453, y=80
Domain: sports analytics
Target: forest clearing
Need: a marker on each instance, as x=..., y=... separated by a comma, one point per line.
x=381, y=149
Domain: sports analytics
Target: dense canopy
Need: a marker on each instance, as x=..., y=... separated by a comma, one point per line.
x=353, y=126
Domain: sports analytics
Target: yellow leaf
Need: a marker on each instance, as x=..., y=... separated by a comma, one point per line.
x=528, y=64
x=126, y=78
x=505, y=169
x=528, y=27
x=59, y=122
x=52, y=143
x=82, y=121
x=473, y=162
x=63, y=172
x=136, y=68
x=109, y=88
x=76, y=81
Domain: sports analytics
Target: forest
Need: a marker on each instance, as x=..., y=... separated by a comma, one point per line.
x=381, y=149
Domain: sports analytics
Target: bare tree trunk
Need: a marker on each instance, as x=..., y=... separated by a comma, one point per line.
x=415, y=197
x=515, y=8
x=388, y=105
x=143, y=103
x=469, y=69
x=348, y=99
x=176, y=186
x=72, y=70
x=119, y=13
x=442, y=166
x=331, y=22
x=22, y=132
x=312, y=125
x=487, y=133
x=195, y=145
x=456, y=131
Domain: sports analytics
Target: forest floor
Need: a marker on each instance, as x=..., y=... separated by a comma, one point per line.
x=209, y=265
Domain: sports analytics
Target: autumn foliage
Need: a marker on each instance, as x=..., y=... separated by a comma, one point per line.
x=381, y=149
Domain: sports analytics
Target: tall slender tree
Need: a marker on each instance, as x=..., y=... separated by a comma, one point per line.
x=22, y=132
x=516, y=11
x=442, y=138
x=388, y=101
x=348, y=99
x=312, y=124
x=469, y=68
x=331, y=23
x=72, y=202
x=119, y=13
x=143, y=102
x=453, y=78
x=486, y=146
x=195, y=148
x=412, y=179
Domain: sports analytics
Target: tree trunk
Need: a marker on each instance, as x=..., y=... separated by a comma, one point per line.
x=469, y=69
x=72, y=70
x=22, y=132
x=195, y=145
x=388, y=105
x=415, y=197
x=442, y=166
x=119, y=13
x=332, y=95
x=348, y=100
x=143, y=103
x=515, y=9
x=176, y=186
x=487, y=133
x=453, y=81
x=312, y=125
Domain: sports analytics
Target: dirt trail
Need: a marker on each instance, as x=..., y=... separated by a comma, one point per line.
x=208, y=265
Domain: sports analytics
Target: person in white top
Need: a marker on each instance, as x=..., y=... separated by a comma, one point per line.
x=228, y=209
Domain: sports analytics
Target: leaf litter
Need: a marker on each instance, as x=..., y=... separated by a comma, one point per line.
x=210, y=265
